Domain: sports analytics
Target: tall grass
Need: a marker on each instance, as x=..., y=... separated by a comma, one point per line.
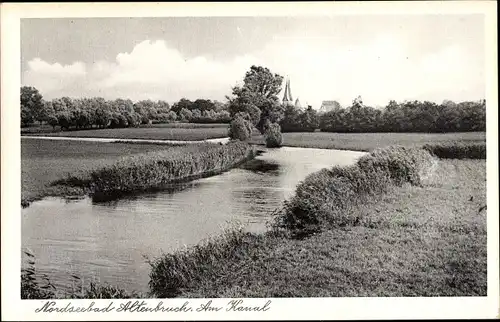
x=176, y=272
x=155, y=170
x=458, y=151
x=327, y=198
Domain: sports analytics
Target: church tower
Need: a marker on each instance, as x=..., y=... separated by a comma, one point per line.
x=287, y=96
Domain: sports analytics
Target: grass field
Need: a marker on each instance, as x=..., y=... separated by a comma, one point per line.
x=173, y=131
x=415, y=241
x=45, y=128
x=44, y=161
x=370, y=141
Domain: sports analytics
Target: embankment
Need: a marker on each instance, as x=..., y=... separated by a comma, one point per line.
x=156, y=170
x=324, y=200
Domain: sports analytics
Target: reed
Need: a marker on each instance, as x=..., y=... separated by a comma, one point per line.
x=36, y=285
x=156, y=170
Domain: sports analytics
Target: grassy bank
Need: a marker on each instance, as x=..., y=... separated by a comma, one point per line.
x=371, y=141
x=427, y=237
x=46, y=161
x=180, y=133
x=155, y=170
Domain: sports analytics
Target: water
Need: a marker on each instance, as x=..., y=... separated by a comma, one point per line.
x=106, y=242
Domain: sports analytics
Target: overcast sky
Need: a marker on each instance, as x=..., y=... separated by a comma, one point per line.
x=327, y=58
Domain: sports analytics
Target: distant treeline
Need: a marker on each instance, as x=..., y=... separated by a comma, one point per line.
x=98, y=112
x=410, y=116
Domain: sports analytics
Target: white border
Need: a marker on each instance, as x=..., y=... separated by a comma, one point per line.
x=310, y=308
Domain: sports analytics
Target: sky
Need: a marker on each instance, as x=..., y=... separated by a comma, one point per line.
x=379, y=57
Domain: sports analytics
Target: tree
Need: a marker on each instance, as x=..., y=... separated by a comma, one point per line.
x=32, y=102
x=291, y=119
x=185, y=115
x=26, y=116
x=171, y=116
x=53, y=121
x=223, y=117
x=64, y=119
x=103, y=117
x=219, y=106
x=183, y=103
x=162, y=107
x=47, y=111
x=59, y=105
x=309, y=120
x=260, y=89
x=203, y=105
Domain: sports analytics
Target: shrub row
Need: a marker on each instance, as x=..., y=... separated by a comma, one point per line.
x=154, y=170
x=457, y=151
x=327, y=198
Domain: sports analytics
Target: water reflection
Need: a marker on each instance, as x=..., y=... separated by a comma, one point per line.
x=106, y=241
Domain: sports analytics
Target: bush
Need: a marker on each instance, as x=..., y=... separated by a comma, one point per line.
x=273, y=136
x=240, y=129
x=327, y=198
x=457, y=151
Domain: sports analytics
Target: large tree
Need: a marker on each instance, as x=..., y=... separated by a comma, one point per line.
x=32, y=105
x=260, y=89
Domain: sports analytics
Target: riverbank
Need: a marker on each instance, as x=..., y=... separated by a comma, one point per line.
x=67, y=168
x=427, y=237
x=399, y=223
x=369, y=141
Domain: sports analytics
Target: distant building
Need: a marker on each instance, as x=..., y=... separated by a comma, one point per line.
x=327, y=106
x=287, y=96
x=297, y=103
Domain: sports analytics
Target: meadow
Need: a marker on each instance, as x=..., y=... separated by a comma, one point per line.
x=370, y=141
x=179, y=132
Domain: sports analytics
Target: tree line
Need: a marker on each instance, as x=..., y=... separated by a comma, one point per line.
x=97, y=112
x=255, y=105
x=409, y=116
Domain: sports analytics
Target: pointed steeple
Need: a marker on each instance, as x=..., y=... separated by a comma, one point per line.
x=289, y=91
x=287, y=96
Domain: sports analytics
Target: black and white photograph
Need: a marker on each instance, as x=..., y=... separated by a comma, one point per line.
x=249, y=157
